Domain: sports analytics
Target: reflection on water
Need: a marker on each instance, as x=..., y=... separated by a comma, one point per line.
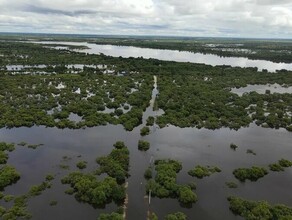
x=191, y=146
x=261, y=89
x=175, y=55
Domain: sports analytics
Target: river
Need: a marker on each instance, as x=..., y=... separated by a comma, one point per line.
x=174, y=55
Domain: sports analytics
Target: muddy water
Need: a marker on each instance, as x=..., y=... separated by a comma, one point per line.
x=189, y=145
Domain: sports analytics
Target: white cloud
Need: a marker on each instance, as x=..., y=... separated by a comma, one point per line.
x=236, y=18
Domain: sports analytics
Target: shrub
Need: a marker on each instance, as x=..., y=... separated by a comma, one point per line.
x=144, y=131
x=252, y=174
x=81, y=164
x=143, y=145
x=201, y=171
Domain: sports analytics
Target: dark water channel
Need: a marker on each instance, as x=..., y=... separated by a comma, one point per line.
x=191, y=146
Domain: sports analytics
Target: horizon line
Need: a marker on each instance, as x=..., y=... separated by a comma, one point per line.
x=139, y=35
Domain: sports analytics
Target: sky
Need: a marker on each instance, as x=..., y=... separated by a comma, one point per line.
x=197, y=18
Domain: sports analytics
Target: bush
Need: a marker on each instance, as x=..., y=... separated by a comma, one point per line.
x=252, y=174
x=3, y=157
x=176, y=216
x=143, y=145
x=285, y=163
x=112, y=216
x=81, y=164
x=49, y=177
x=276, y=167
x=186, y=195
x=150, y=121
x=148, y=173
x=200, y=171
x=251, y=210
x=144, y=131
x=8, y=175
x=119, y=145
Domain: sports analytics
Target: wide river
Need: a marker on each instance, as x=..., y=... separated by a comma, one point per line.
x=191, y=146
x=175, y=55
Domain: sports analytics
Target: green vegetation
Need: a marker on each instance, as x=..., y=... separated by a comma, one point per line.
x=283, y=163
x=50, y=177
x=37, y=190
x=112, y=216
x=251, y=210
x=8, y=198
x=164, y=185
x=195, y=98
x=3, y=157
x=144, y=131
x=50, y=99
x=18, y=209
x=150, y=121
x=252, y=174
x=276, y=167
x=143, y=145
x=201, y=171
x=231, y=185
x=119, y=145
x=148, y=173
x=116, y=164
x=152, y=216
x=193, y=185
x=7, y=146
x=90, y=190
x=176, y=216
x=8, y=175
x=81, y=165
x=191, y=95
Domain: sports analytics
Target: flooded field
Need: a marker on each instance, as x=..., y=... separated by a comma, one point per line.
x=191, y=146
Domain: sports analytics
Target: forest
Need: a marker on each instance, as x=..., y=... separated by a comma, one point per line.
x=191, y=95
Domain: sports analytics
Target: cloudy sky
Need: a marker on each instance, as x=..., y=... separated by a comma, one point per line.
x=222, y=18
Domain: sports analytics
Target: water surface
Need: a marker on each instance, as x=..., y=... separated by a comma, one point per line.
x=175, y=55
x=191, y=146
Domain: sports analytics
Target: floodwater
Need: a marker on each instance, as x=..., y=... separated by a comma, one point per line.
x=261, y=89
x=175, y=55
x=191, y=146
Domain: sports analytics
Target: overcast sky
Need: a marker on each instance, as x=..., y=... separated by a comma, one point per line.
x=222, y=18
